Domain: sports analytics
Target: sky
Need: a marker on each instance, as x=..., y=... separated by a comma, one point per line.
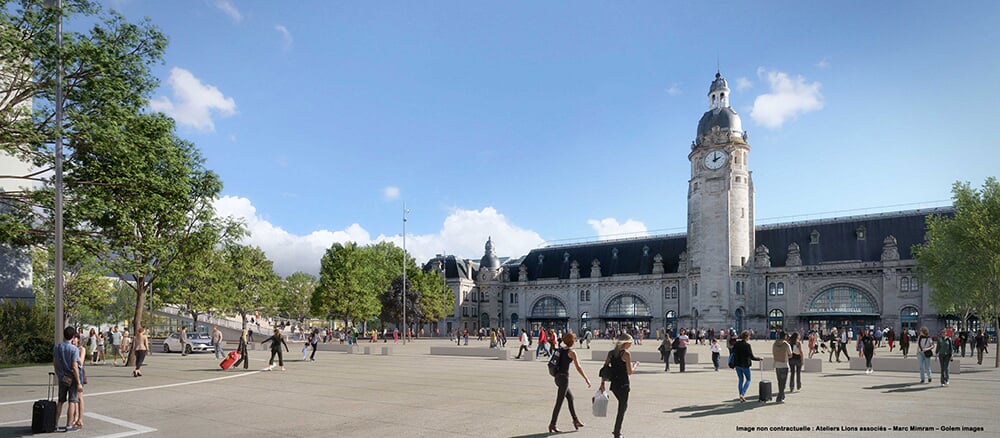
x=539, y=123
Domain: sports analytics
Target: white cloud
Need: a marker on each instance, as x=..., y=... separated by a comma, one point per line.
x=609, y=228
x=789, y=97
x=390, y=193
x=194, y=102
x=743, y=83
x=230, y=10
x=823, y=63
x=674, y=90
x=463, y=233
x=286, y=36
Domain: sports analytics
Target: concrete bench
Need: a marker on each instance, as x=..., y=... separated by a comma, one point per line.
x=910, y=364
x=645, y=356
x=384, y=350
x=528, y=355
x=814, y=365
x=343, y=348
x=498, y=353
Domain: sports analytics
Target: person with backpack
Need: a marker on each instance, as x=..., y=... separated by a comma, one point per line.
x=945, y=348
x=620, y=365
x=559, y=369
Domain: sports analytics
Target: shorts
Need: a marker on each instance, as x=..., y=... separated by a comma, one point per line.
x=116, y=349
x=68, y=393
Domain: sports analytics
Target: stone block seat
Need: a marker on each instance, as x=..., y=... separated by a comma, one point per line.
x=498, y=353
x=644, y=356
x=910, y=364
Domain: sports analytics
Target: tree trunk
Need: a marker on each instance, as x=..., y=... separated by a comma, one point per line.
x=194, y=320
x=996, y=340
x=140, y=301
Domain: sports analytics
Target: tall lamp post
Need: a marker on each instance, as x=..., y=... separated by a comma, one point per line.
x=406, y=330
x=58, y=293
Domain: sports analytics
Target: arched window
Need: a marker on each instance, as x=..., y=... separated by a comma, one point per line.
x=776, y=313
x=772, y=288
x=673, y=292
x=548, y=307
x=666, y=293
x=739, y=288
x=627, y=305
x=694, y=291
x=781, y=288
x=842, y=299
x=904, y=284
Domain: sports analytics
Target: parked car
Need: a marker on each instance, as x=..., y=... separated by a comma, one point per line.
x=195, y=342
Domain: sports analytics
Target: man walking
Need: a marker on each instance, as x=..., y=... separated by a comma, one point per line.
x=524, y=343
x=842, y=346
x=184, y=340
x=834, y=340
x=782, y=352
x=66, y=361
x=116, y=346
x=217, y=341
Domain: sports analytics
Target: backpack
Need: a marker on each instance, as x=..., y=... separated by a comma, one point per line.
x=676, y=345
x=946, y=346
x=554, y=362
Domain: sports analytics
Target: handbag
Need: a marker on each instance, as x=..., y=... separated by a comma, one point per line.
x=928, y=353
x=732, y=363
x=600, y=402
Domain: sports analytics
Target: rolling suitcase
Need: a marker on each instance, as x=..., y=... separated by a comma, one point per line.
x=230, y=359
x=43, y=412
x=764, y=391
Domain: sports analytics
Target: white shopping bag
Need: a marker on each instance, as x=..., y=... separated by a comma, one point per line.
x=600, y=404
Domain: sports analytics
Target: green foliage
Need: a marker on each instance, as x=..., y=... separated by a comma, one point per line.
x=25, y=333
x=254, y=285
x=961, y=259
x=296, y=292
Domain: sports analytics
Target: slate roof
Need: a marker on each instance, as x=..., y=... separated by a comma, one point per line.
x=838, y=241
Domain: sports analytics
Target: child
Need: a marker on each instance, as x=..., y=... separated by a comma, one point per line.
x=715, y=353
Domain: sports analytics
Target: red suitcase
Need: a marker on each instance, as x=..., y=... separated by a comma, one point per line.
x=230, y=359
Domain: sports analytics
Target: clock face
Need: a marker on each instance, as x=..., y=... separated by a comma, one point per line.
x=715, y=159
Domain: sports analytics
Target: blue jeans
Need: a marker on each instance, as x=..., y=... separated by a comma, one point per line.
x=925, y=365
x=744, y=382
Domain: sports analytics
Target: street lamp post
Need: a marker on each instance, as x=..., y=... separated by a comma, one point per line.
x=59, y=280
x=405, y=329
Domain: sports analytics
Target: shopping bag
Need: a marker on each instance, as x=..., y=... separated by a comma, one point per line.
x=600, y=404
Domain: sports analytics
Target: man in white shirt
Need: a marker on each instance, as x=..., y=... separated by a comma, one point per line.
x=524, y=344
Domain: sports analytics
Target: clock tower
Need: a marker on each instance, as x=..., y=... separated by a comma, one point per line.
x=720, y=228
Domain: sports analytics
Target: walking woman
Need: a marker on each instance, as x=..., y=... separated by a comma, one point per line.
x=664, y=349
x=242, y=350
x=141, y=343
x=742, y=355
x=904, y=342
x=566, y=355
x=945, y=348
x=620, y=361
x=795, y=364
x=277, y=341
x=868, y=349
x=925, y=347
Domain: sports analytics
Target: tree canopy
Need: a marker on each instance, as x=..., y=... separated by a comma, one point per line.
x=961, y=259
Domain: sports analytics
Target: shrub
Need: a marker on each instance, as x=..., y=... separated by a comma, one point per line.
x=25, y=333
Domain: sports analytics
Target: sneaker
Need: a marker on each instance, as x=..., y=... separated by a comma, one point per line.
x=921, y=381
x=282, y=368
x=72, y=429
x=270, y=367
x=945, y=383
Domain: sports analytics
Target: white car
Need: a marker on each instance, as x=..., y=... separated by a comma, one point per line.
x=195, y=342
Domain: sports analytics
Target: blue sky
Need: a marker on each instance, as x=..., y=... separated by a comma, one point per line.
x=536, y=122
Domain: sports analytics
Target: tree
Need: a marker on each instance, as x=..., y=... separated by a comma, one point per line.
x=393, y=302
x=297, y=290
x=86, y=287
x=349, y=283
x=253, y=285
x=961, y=259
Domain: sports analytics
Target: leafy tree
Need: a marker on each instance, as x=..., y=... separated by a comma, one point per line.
x=392, y=303
x=961, y=259
x=349, y=283
x=86, y=288
x=253, y=284
x=297, y=290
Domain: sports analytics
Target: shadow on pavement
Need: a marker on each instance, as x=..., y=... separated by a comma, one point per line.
x=732, y=407
x=537, y=435
x=893, y=385
x=919, y=387
x=15, y=431
x=840, y=375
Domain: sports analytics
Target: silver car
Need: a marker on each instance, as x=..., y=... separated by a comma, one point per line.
x=195, y=342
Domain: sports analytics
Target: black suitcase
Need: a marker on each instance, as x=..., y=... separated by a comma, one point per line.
x=43, y=412
x=764, y=391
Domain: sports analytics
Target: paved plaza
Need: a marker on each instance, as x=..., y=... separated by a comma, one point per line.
x=414, y=394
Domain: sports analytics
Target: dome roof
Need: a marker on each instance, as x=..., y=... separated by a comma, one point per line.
x=719, y=83
x=725, y=118
x=489, y=259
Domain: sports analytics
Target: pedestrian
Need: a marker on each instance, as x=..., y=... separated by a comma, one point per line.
x=782, y=353
x=891, y=337
x=341, y=336
x=276, y=340
x=925, y=347
x=524, y=343
x=963, y=337
x=314, y=342
x=552, y=339
x=566, y=356
x=494, y=340
x=845, y=337
x=116, y=345
x=99, y=353
x=250, y=336
x=91, y=344
x=742, y=355
x=716, y=352
x=867, y=344
x=682, y=343
x=141, y=346
x=395, y=336
x=620, y=362
x=812, y=343
x=242, y=350
x=980, y=346
x=945, y=348
x=665, y=348
x=466, y=337
x=904, y=343
x=587, y=335
x=542, y=343
x=795, y=364
x=184, y=340
x=217, y=342
x=65, y=357
x=78, y=424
